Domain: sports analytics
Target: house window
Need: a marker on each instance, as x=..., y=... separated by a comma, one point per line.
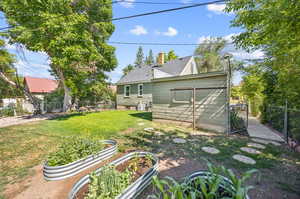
x=127, y=91
x=140, y=90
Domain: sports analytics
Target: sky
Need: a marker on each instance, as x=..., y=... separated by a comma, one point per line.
x=184, y=26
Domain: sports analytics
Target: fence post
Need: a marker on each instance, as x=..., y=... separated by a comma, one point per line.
x=285, y=128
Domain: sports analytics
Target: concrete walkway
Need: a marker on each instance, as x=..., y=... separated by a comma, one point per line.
x=257, y=130
x=10, y=121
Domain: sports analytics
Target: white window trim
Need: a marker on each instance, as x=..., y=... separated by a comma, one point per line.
x=139, y=90
x=125, y=90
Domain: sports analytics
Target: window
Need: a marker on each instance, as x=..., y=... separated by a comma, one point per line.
x=127, y=91
x=140, y=90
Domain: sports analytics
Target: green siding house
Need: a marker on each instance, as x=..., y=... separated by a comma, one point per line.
x=177, y=91
x=134, y=90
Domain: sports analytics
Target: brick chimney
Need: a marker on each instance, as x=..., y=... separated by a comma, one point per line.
x=161, y=58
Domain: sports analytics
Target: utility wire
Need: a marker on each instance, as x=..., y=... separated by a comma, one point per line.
x=169, y=10
x=162, y=44
x=152, y=3
x=153, y=13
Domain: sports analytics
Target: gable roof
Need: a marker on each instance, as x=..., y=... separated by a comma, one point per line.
x=144, y=73
x=138, y=74
x=176, y=66
x=40, y=85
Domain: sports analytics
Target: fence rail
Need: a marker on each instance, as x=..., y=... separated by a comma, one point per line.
x=284, y=120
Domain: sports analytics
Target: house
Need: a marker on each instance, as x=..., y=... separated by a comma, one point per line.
x=38, y=87
x=134, y=90
x=176, y=91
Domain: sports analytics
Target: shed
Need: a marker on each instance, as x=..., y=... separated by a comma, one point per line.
x=199, y=99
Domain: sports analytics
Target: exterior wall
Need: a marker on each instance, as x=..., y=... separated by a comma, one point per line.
x=210, y=105
x=133, y=100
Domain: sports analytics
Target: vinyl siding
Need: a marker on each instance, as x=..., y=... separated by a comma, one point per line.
x=133, y=98
x=210, y=105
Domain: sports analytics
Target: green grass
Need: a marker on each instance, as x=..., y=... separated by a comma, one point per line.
x=25, y=146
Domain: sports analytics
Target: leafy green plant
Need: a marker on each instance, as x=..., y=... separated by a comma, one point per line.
x=211, y=185
x=72, y=149
x=109, y=183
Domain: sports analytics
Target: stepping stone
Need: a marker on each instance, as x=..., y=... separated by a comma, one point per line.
x=141, y=124
x=179, y=140
x=250, y=150
x=210, y=150
x=244, y=159
x=255, y=145
x=158, y=133
x=150, y=130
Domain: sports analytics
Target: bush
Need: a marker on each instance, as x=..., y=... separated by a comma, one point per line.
x=7, y=112
x=73, y=149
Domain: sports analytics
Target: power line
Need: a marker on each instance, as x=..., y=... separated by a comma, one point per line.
x=153, y=3
x=169, y=10
x=152, y=13
x=161, y=44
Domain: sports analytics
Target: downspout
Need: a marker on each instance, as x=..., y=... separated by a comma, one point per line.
x=228, y=95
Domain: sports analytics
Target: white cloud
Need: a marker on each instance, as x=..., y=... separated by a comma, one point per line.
x=216, y=8
x=240, y=54
x=229, y=38
x=203, y=38
x=171, y=32
x=186, y=1
x=128, y=3
x=139, y=30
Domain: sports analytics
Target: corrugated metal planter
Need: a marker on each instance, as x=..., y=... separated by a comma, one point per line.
x=206, y=174
x=71, y=169
x=132, y=190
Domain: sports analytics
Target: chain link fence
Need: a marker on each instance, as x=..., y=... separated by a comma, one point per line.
x=284, y=120
x=238, y=118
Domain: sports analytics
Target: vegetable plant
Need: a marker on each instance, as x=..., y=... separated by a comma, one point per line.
x=72, y=149
x=109, y=183
x=212, y=185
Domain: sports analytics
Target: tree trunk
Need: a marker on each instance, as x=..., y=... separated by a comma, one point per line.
x=34, y=100
x=67, y=98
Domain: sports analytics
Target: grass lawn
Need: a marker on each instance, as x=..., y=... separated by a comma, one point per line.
x=25, y=146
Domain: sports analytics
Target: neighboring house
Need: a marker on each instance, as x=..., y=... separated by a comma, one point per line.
x=134, y=90
x=38, y=87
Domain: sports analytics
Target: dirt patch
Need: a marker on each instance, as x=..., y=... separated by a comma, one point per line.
x=128, y=131
x=36, y=187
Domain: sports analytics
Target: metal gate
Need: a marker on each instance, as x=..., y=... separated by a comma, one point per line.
x=239, y=118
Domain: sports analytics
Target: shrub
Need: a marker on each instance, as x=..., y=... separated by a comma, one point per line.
x=73, y=149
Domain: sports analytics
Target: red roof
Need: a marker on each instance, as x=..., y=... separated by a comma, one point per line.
x=40, y=85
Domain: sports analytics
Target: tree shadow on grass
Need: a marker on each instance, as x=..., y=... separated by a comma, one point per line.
x=143, y=115
x=68, y=116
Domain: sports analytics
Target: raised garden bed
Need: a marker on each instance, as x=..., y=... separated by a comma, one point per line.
x=71, y=169
x=133, y=171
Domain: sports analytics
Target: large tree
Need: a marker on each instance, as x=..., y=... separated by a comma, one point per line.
x=72, y=33
x=171, y=55
x=209, y=54
x=127, y=69
x=139, y=57
x=150, y=58
x=274, y=27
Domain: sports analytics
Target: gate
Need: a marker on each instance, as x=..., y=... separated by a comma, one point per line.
x=238, y=118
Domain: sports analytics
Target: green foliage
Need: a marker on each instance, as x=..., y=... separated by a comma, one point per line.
x=208, y=186
x=274, y=27
x=139, y=61
x=209, y=52
x=150, y=58
x=72, y=33
x=7, y=111
x=236, y=122
x=127, y=69
x=171, y=55
x=109, y=183
x=72, y=149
